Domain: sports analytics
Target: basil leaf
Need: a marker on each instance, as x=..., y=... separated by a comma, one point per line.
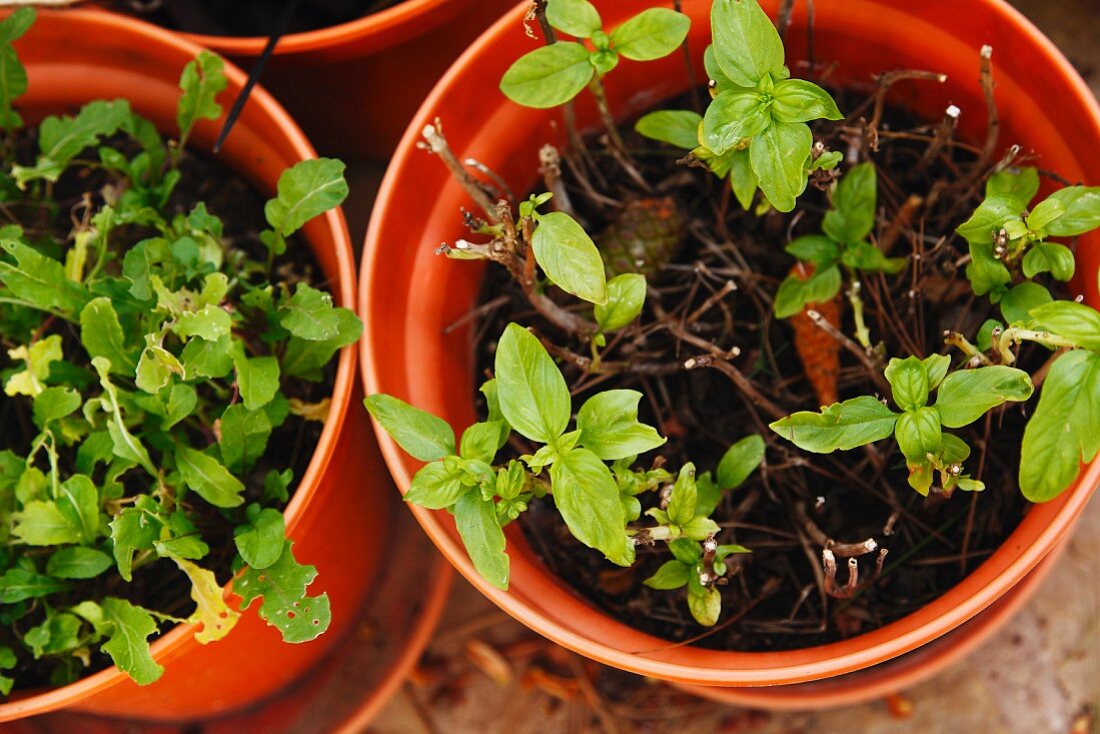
x=548, y=76
x=842, y=426
x=578, y=18
x=1018, y=302
x=778, y=156
x=735, y=114
x=1015, y=189
x=1081, y=213
x=852, y=216
x=746, y=44
x=1065, y=429
x=706, y=606
x=587, y=497
x=677, y=127
x=967, y=395
x=909, y=382
x=817, y=249
x=671, y=575
x=436, y=486
x=422, y=435
x=651, y=34
x=988, y=219
x=1049, y=257
x=986, y=273
x=479, y=527
x=569, y=258
x=681, y=504
x=532, y=392
x=797, y=100
x=742, y=178
x=625, y=299
x=936, y=366
x=1045, y=212
x=482, y=441
x=739, y=461
x=608, y=422
x=1074, y=321
x=795, y=294
x=919, y=433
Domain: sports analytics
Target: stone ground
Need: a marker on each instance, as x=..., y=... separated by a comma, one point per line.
x=1038, y=675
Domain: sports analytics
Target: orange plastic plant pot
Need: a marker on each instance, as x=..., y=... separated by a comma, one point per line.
x=353, y=87
x=410, y=297
x=76, y=56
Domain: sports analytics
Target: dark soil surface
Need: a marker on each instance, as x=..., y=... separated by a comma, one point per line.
x=248, y=18
x=775, y=599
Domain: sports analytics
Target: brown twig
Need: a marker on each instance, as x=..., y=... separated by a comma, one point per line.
x=874, y=371
x=743, y=383
x=885, y=81
x=844, y=550
x=550, y=168
x=993, y=127
x=436, y=143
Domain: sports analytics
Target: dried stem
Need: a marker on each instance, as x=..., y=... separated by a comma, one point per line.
x=944, y=134
x=436, y=143
x=874, y=371
x=550, y=168
x=743, y=383
x=885, y=81
x=993, y=127
x=615, y=141
x=844, y=550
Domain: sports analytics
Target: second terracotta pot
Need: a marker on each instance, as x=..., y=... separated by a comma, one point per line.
x=411, y=298
x=76, y=56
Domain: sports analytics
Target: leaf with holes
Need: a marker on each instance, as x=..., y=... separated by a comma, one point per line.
x=285, y=605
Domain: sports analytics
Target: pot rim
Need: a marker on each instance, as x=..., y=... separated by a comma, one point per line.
x=1045, y=524
x=892, y=676
x=106, y=25
x=374, y=26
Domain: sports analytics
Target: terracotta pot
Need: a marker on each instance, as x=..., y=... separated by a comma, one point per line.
x=409, y=296
x=76, y=56
x=353, y=87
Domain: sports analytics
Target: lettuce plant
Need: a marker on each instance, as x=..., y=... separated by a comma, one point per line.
x=148, y=363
